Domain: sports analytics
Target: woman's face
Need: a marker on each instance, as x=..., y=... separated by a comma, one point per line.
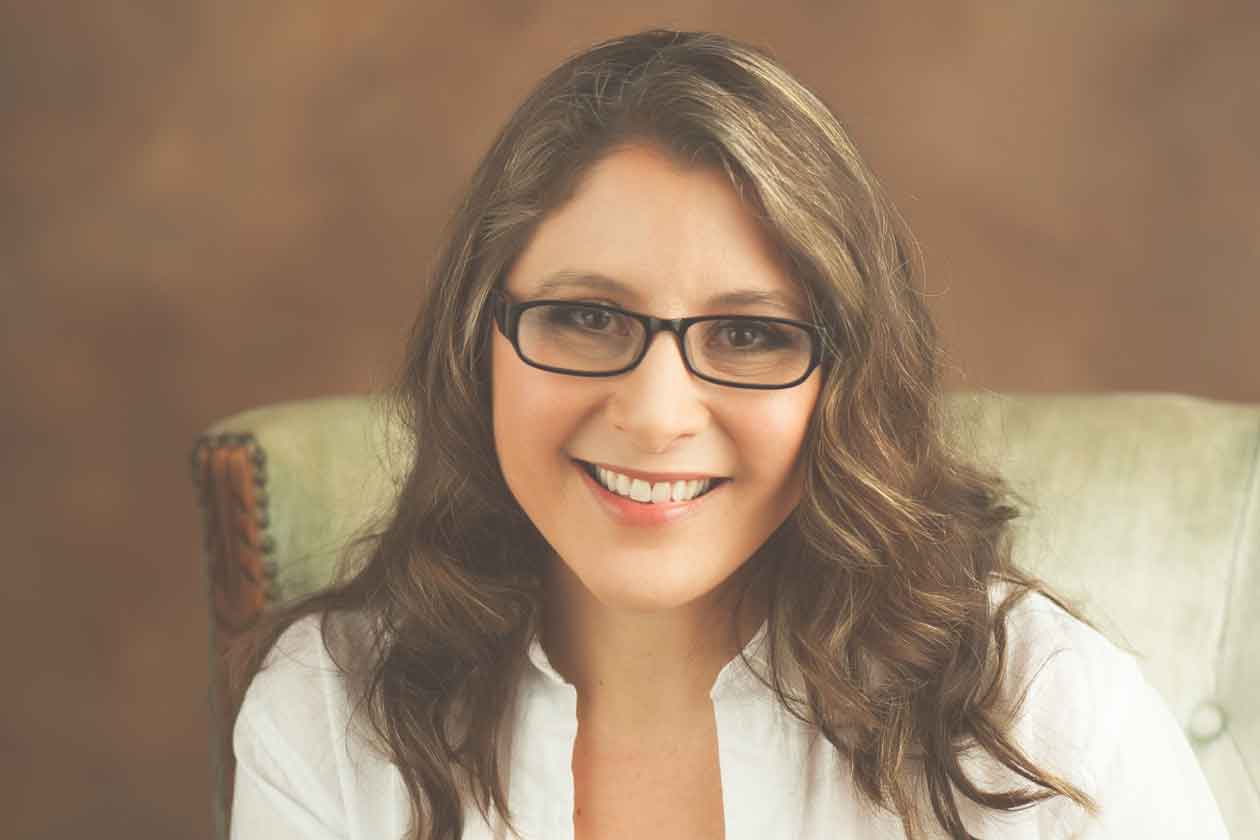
x=673, y=238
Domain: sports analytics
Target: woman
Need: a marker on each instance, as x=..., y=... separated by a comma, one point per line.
x=725, y=581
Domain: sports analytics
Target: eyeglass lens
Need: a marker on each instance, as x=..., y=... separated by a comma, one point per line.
x=592, y=340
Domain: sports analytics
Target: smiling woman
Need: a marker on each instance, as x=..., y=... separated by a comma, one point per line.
x=676, y=236
x=684, y=551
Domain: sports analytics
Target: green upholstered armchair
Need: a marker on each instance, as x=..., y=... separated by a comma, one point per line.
x=1146, y=512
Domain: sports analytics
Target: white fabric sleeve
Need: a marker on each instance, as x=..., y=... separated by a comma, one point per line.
x=1092, y=718
x=1151, y=786
x=288, y=763
x=276, y=797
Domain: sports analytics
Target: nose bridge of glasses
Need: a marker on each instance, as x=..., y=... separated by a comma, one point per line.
x=672, y=331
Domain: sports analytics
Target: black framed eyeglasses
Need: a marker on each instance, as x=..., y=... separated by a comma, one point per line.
x=579, y=338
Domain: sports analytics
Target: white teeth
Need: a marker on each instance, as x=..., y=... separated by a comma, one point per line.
x=645, y=492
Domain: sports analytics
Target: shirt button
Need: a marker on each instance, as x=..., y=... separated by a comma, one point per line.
x=1206, y=722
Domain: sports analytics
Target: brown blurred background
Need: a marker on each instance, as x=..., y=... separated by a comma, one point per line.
x=208, y=205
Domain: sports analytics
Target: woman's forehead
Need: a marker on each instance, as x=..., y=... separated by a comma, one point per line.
x=641, y=227
x=717, y=295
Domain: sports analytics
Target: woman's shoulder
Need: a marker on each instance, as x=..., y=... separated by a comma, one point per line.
x=307, y=761
x=313, y=648
x=1064, y=685
x=1040, y=634
x=1083, y=710
x=308, y=678
x=1068, y=690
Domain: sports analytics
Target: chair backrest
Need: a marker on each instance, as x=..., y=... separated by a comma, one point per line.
x=1146, y=512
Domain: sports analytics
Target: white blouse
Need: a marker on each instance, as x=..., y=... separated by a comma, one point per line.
x=303, y=772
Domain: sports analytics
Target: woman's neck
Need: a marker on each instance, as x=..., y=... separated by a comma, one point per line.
x=640, y=671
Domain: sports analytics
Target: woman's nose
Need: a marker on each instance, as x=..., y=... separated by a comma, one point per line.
x=659, y=400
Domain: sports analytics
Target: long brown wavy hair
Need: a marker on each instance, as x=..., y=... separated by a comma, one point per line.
x=879, y=580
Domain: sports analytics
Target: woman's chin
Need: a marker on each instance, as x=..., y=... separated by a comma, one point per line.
x=648, y=594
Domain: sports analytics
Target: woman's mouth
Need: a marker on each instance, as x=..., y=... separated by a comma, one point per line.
x=637, y=502
x=646, y=492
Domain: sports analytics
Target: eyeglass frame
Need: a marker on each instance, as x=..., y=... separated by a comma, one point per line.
x=507, y=315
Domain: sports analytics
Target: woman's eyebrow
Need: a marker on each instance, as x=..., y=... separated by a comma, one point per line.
x=563, y=280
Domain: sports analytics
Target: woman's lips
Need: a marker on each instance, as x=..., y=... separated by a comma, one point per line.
x=629, y=512
x=652, y=478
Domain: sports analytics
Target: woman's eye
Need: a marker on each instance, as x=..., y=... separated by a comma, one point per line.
x=744, y=335
x=585, y=317
x=594, y=319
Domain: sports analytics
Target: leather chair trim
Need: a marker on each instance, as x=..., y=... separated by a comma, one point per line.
x=230, y=475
